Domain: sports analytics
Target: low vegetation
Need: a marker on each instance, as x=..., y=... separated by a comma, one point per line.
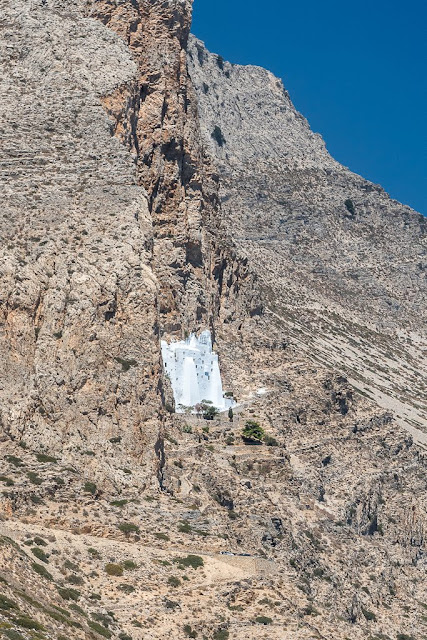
x=113, y=569
x=68, y=593
x=42, y=571
x=90, y=487
x=128, y=528
x=173, y=581
x=190, y=561
x=40, y=554
x=263, y=620
x=253, y=431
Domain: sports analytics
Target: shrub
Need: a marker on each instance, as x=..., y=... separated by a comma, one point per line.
x=42, y=571
x=17, y=462
x=129, y=565
x=119, y=503
x=124, y=636
x=61, y=610
x=8, y=481
x=12, y=634
x=90, y=487
x=42, y=457
x=75, y=607
x=39, y=541
x=263, y=620
x=126, y=588
x=270, y=441
x=369, y=615
x=189, y=631
x=184, y=527
x=221, y=634
x=190, y=561
x=187, y=428
x=209, y=412
x=114, y=569
x=34, y=478
x=126, y=364
x=174, y=581
x=99, y=629
x=73, y=579
x=40, y=554
x=6, y=604
x=162, y=536
x=104, y=618
x=94, y=553
x=253, y=431
x=28, y=623
x=128, y=527
x=68, y=593
x=309, y=610
x=136, y=623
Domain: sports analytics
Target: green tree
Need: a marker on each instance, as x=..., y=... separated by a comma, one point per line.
x=230, y=414
x=253, y=431
x=209, y=412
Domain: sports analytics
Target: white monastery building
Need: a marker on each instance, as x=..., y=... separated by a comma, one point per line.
x=193, y=370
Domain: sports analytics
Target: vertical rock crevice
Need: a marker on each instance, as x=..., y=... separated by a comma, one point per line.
x=157, y=118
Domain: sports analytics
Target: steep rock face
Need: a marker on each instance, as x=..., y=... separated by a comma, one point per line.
x=78, y=310
x=156, y=117
x=341, y=264
x=203, y=282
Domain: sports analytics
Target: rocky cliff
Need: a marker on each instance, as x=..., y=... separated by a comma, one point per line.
x=150, y=189
x=342, y=265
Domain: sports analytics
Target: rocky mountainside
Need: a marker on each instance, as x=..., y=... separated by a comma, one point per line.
x=150, y=190
x=343, y=264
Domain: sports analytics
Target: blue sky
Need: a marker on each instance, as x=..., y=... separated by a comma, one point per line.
x=356, y=70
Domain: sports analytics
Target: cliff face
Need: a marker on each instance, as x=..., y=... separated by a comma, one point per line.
x=78, y=294
x=340, y=262
x=134, y=196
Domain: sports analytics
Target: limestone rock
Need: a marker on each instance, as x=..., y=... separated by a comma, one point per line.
x=141, y=202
